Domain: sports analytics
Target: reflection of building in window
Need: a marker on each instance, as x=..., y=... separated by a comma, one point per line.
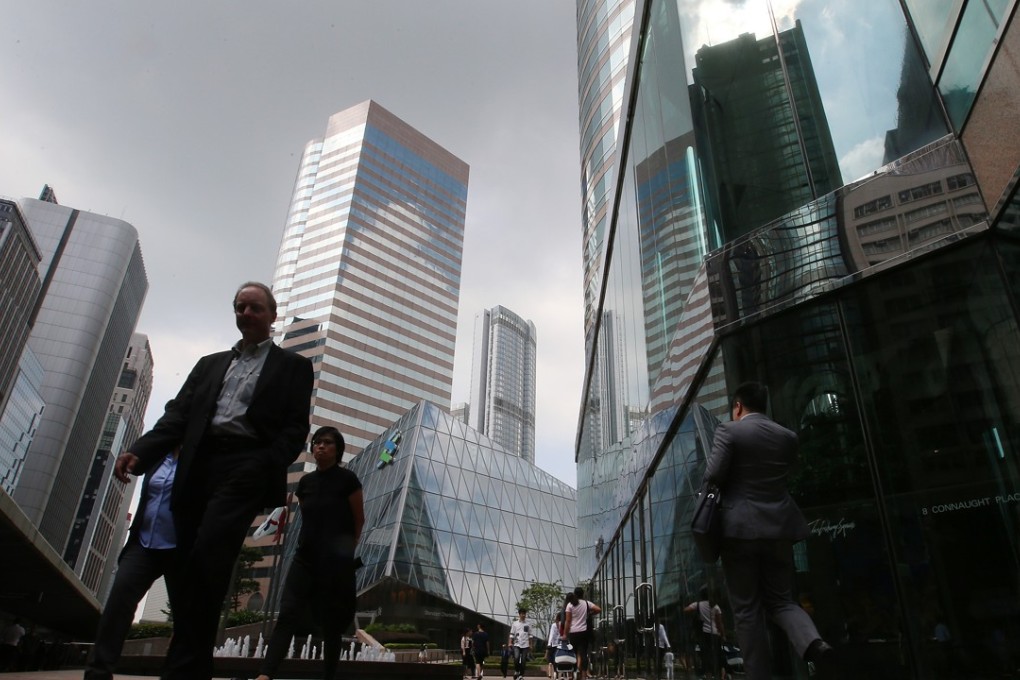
x=918, y=192
x=919, y=118
x=941, y=199
x=871, y=207
x=959, y=181
x=877, y=227
x=764, y=140
x=673, y=241
x=610, y=380
x=603, y=48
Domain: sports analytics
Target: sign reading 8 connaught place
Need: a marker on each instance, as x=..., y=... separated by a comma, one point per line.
x=970, y=504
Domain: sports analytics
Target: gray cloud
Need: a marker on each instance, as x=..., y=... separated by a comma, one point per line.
x=188, y=120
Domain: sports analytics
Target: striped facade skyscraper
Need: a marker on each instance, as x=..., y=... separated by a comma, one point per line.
x=368, y=275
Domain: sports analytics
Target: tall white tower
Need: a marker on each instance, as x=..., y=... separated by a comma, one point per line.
x=368, y=277
x=503, y=381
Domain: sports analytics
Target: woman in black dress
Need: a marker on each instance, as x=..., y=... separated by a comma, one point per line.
x=321, y=577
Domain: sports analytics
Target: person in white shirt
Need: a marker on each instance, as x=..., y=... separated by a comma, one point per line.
x=712, y=634
x=553, y=643
x=520, y=641
x=578, y=615
x=662, y=644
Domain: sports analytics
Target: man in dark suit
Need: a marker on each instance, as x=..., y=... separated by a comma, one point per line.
x=750, y=460
x=240, y=420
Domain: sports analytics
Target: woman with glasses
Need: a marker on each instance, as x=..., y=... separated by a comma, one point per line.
x=321, y=577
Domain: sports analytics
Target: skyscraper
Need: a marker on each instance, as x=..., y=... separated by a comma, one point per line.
x=19, y=283
x=603, y=49
x=20, y=377
x=503, y=381
x=93, y=285
x=460, y=411
x=368, y=275
x=20, y=419
x=834, y=193
x=100, y=523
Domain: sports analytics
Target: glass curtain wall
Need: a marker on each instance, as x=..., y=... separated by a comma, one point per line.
x=741, y=114
x=794, y=209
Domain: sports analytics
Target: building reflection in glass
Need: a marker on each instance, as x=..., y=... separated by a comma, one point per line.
x=763, y=133
x=790, y=169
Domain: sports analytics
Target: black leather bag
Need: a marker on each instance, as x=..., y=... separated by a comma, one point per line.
x=706, y=525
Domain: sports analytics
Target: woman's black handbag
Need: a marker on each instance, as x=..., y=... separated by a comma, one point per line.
x=706, y=525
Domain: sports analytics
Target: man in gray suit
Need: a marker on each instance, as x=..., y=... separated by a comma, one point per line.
x=750, y=460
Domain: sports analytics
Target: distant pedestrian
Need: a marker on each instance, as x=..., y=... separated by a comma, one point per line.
x=661, y=644
x=553, y=643
x=520, y=639
x=505, y=654
x=667, y=661
x=480, y=646
x=467, y=653
x=712, y=633
x=578, y=628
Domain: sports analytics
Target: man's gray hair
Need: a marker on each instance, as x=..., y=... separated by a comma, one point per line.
x=261, y=286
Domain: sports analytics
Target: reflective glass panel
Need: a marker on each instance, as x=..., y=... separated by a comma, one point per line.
x=934, y=20
x=964, y=67
x=844, y=575
x=939, y=372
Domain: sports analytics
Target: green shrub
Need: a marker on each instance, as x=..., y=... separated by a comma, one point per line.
x=149, y=630
x=243, y=617
x=390, y=628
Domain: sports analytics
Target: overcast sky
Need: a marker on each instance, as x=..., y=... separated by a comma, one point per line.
x=188, y=119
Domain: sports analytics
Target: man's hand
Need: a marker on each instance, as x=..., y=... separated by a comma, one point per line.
x=124, y=466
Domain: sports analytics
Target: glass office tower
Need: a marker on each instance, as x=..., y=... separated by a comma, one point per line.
x=99, y=524
x=93, y=286
x=20, y=419
x=503, y=380
x=455, y=528
x=368, y=275
x=20, y=284
x=604, y=30
x=840, y=180
x=20, y=373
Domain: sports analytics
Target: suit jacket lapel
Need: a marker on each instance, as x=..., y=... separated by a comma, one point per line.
x=269, y=368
